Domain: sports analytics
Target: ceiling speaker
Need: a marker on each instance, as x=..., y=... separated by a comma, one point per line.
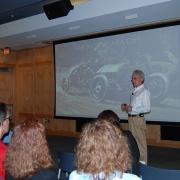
x=58, y=9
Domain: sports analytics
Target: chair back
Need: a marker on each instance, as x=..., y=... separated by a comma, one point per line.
x=66, y=162
x=153, y=173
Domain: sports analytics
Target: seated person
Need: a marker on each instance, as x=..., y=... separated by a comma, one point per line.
x=102, y=153
x=133, y=146
x=4, y=127
x=28, y=156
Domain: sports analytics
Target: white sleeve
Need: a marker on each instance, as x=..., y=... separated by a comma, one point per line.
x=74, y=175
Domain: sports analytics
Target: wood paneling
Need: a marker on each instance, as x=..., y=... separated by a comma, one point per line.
x=153, y=133
x=30, y=88
x=6, y=85
x=7, y=81
x=35, y=89
x=24, y=83
x=8, y=60
x=25, y=89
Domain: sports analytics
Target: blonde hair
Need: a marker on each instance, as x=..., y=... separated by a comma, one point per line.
x=28, y=150
x=102, y=148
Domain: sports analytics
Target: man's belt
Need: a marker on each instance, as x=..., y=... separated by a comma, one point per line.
x=136, y=115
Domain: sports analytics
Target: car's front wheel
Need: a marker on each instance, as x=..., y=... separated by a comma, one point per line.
x=99, y=88
x=158, y=86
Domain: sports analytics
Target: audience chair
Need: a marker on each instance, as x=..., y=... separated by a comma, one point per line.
x=65, y=163
x=152, y=173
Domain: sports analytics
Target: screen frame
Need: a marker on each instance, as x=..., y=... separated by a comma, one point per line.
x=104, y=34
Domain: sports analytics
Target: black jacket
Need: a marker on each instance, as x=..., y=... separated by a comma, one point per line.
x=133, y=146
x=44, y=174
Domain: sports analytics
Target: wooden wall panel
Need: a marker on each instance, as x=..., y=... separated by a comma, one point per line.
x=153, y=133
x=6, y=86
x=44, y=82
x=7, y=81
x=35, y=89
x=25, y=88
x=43, y=89
x=24, y=84
x=7, y=60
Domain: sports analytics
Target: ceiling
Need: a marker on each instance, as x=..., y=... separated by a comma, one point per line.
x=23, y=24
x=18, y=9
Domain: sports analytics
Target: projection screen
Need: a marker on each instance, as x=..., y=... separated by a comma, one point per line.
x=94, y=73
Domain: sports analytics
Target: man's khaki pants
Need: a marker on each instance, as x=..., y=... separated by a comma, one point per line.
x=137, y=126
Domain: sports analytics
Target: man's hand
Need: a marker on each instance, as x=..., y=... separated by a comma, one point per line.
x=129, y=108
x=126, y=107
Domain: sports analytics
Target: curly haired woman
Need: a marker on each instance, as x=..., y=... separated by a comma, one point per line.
x=4, y=127
x=102, y=153
x=111, y=116
x=28, y=155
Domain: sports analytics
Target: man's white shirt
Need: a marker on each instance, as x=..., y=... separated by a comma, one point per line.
x=140, y=100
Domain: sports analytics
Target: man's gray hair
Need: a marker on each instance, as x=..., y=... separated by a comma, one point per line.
x=140, y=73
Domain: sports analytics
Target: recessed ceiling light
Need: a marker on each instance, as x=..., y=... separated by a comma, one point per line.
x=131, y=16
x=31, y=36
x=73, y=28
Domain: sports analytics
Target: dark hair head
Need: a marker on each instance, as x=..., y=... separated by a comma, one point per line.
x=3, y=112
x=109, y=115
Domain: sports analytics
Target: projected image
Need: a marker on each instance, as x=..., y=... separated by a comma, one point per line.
x=95, y=74
x=107, y=78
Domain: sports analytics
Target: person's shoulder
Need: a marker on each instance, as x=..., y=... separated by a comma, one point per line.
x=46, y=174
x=2, y=145
x=129, y=135
x=79, y=176
x=47, y=171
x=127, y=132
x=3, y=149
x=128, y=176
x=73, y=175
x=146, y=89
